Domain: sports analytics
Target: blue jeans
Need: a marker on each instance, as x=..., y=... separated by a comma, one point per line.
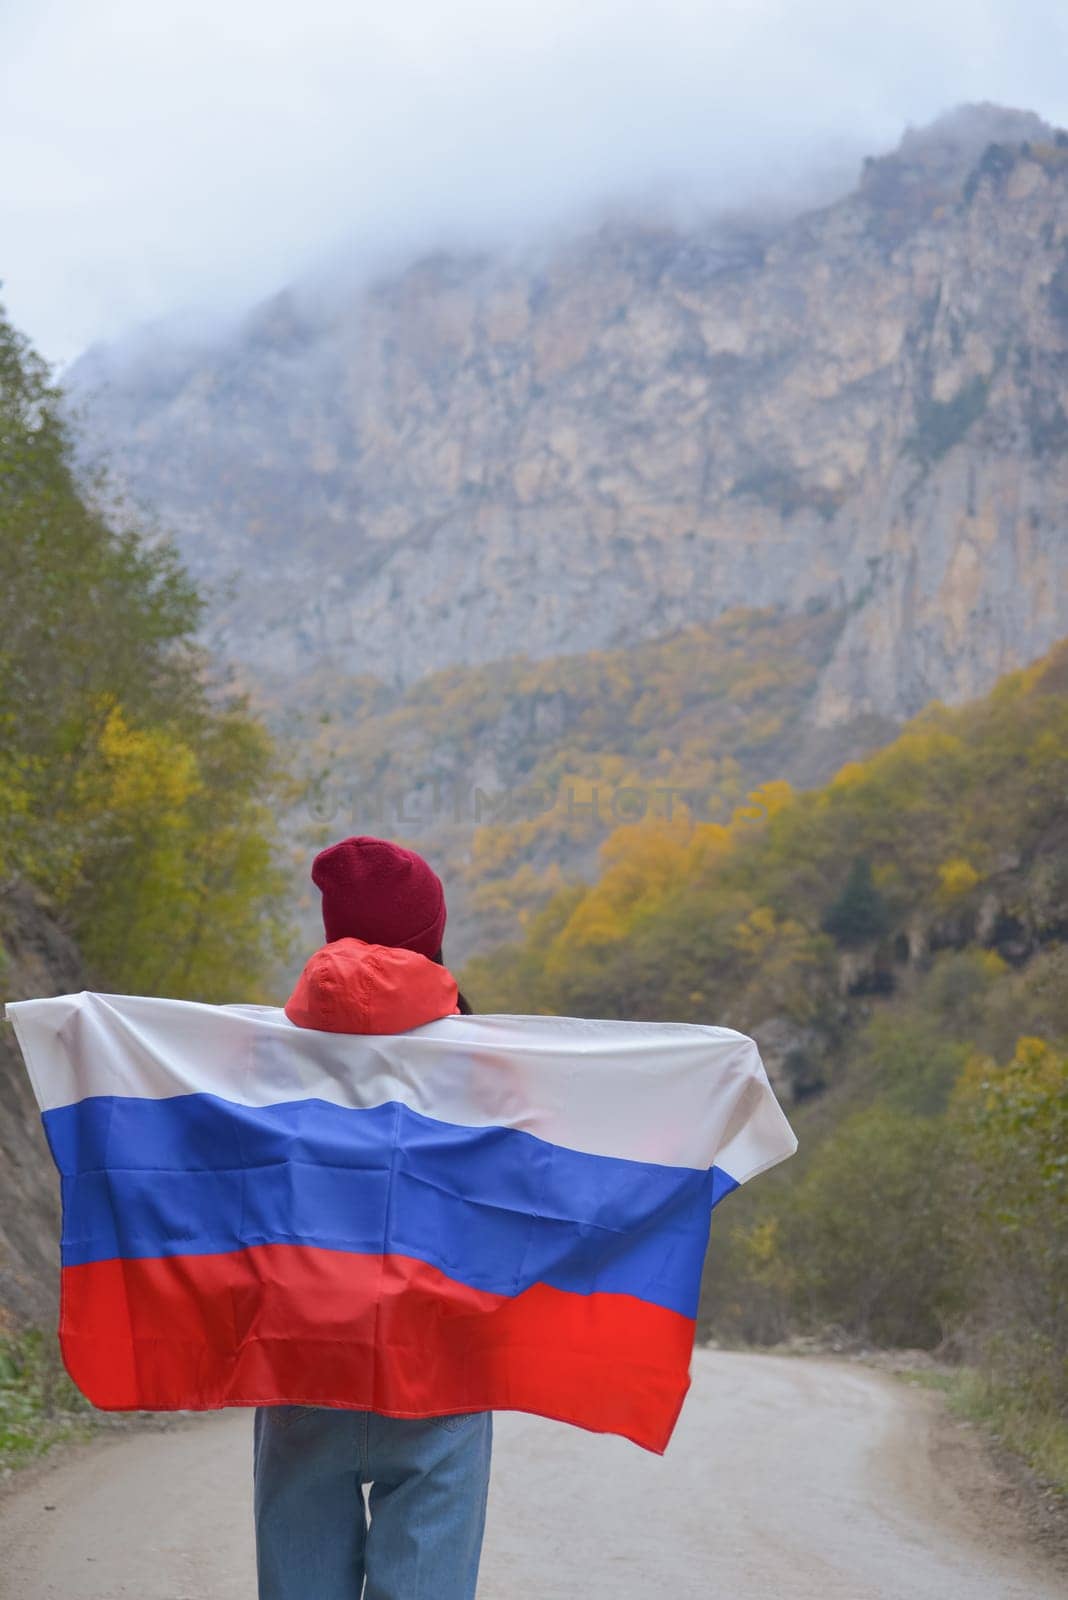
x=429, y=1480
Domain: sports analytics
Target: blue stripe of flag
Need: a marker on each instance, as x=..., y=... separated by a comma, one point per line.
x=494, y=1208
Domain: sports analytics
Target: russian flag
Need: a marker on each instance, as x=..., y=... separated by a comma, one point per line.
x=486, y=1212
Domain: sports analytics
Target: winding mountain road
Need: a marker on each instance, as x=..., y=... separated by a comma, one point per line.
x=787, y=1476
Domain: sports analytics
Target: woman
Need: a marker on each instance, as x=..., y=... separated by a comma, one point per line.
x=381, y=971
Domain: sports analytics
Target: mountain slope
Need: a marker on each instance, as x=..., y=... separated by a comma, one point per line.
x=807, y=906
x=641, y=430
x=509, y=776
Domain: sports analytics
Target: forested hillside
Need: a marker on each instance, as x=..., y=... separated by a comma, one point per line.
x=897, y=942
x=135, y=792
x=956, y=831
x=510, y=776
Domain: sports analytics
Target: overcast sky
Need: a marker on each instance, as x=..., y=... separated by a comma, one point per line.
x=157, y=155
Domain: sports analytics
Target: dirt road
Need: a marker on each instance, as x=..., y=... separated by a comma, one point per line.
x=813, y=1479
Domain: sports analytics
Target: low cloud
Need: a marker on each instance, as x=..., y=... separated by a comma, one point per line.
x=184, y=154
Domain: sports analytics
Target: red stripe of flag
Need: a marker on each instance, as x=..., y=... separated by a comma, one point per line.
x=382, y=1333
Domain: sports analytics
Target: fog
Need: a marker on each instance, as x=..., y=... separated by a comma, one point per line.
x=181, y=156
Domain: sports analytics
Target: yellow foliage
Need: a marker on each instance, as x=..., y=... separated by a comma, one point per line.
x=753, y=936
x=642, y=863
x=1037, y=1068
x=1035, y=1054
x=147, y=769
x=767, y=1263
x=849, y=776
x=639, y=860
x=923, y=745
x=763, y=1240
x=764, y=802
x=956, y=877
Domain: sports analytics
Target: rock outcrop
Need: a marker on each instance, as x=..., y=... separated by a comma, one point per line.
x=863, y=407
x=36, y=959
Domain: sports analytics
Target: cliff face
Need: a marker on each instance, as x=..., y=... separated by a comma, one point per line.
x=642, y=430
x=36, y=959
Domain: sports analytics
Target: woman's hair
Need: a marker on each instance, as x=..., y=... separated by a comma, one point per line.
x=461, y=999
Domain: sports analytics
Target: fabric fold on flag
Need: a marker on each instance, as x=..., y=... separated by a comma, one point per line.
x=485, y=1212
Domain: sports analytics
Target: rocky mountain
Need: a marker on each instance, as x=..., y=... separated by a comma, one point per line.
x=862, y=407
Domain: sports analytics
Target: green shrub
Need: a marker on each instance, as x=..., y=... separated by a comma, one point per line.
x=38, y=1402
x=868, y=1230
x=1011, y=1216
x=859, y=914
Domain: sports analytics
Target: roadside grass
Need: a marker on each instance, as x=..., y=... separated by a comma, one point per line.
x=1038, y=1435
x=39, y=1405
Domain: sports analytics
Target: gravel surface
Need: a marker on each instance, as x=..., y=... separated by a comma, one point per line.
x=787, y=1476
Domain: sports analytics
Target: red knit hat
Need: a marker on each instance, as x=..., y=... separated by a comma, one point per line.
x=380, y=892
